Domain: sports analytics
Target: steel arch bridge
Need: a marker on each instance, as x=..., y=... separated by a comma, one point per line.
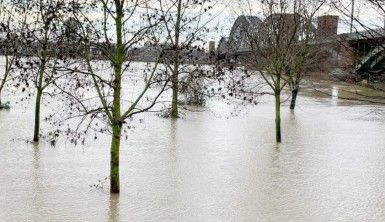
x=368, y=46
x=242, y=30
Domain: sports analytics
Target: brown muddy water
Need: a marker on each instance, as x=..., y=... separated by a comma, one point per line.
x=207, y=166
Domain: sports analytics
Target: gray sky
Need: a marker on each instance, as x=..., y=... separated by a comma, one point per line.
x=363, y=11
x=226, y=12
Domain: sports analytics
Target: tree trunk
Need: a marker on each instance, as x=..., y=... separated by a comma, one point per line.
x=175, y=73
x=39, y=94
x=1, y=89
x=3, y=81
x=39, y=86
x=294, y=94
x=278, y=117
x=114, y=162
x=175, y=88
x=37, y=116
x=116, y=123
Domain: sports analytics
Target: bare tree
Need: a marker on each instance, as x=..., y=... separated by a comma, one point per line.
x=305, y=55
x=7, y=47
x=39, y=34
x=279, y=46
x=104, y=70
x=185, y=23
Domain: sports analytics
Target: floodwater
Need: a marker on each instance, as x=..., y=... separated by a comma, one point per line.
x=207, y=166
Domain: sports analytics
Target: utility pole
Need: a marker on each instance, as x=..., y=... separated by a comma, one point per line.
x=352, y=17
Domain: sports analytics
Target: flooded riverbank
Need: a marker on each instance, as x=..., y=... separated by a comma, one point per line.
x=207, y=166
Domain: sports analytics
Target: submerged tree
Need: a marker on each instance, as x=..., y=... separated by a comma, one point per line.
x=8, y=47
x=39, y=35
x=279, y=46
x=184, y=22
x=305, y=54
x=97, y=92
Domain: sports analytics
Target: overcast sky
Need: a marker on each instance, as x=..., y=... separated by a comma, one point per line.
x=230, y=10
x=225, y=13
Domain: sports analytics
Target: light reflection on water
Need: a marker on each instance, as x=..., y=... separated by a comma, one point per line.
x=331, y=166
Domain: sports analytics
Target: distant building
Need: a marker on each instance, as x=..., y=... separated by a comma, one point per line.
x=360, y=54
x=326, y=26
